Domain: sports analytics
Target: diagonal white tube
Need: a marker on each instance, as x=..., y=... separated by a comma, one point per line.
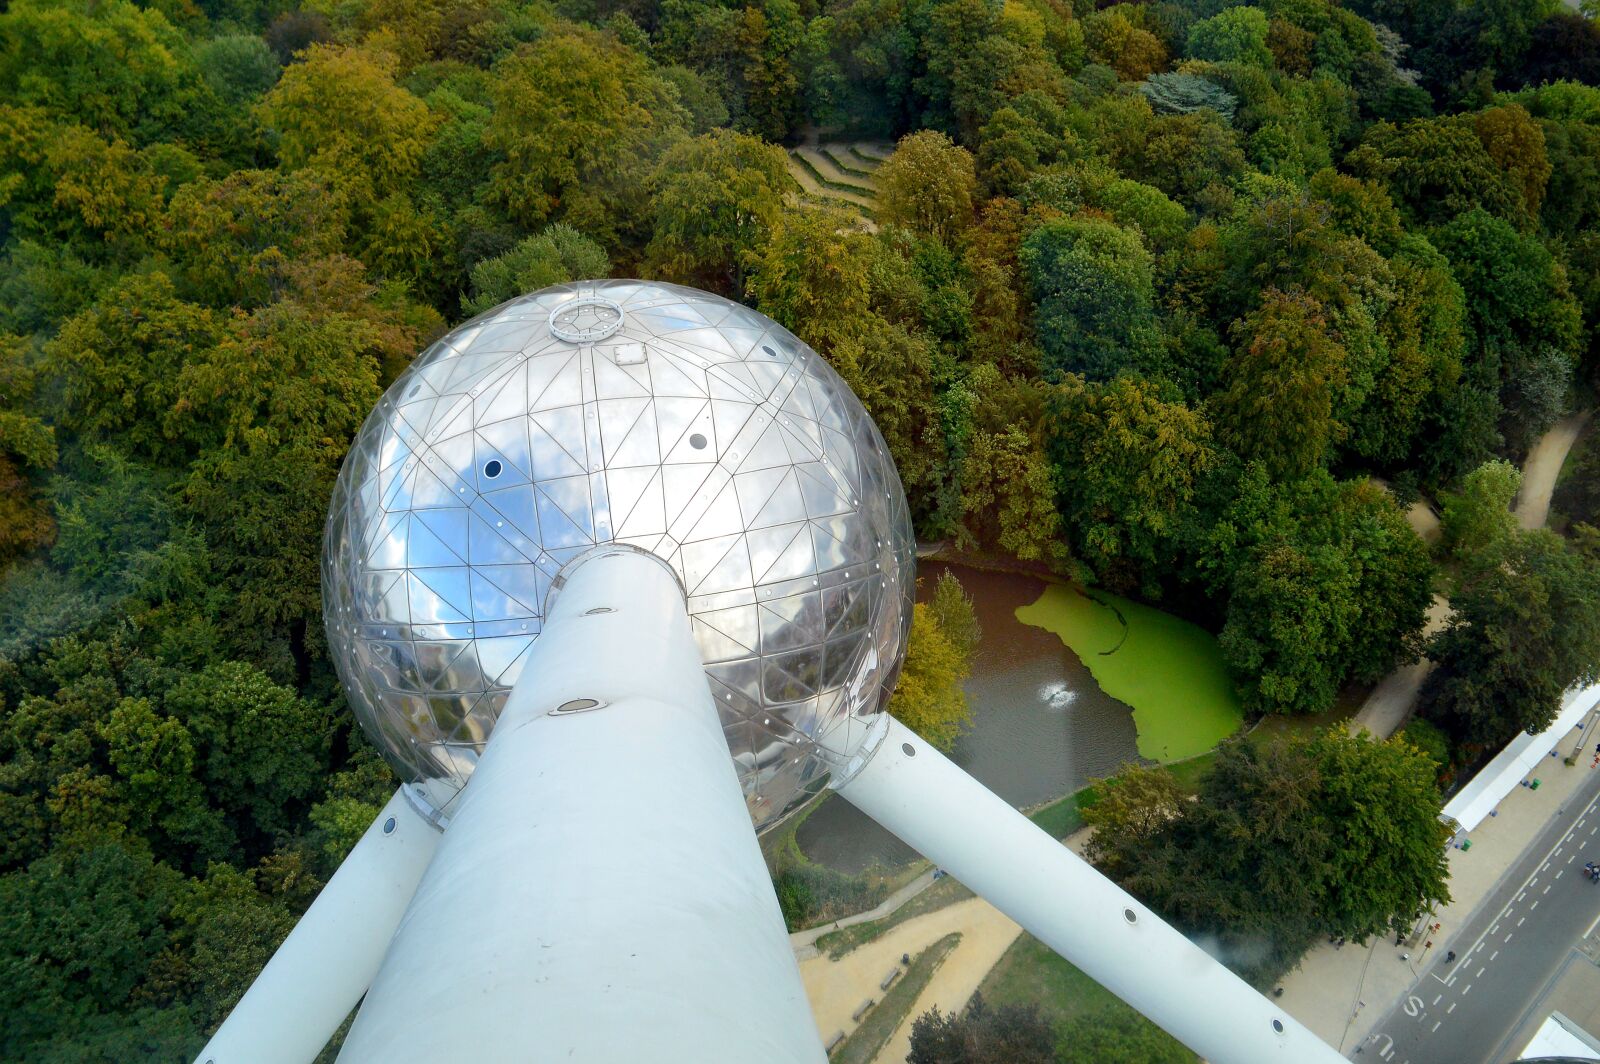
x=328, y=961
x=599, y=896
x=959, y=824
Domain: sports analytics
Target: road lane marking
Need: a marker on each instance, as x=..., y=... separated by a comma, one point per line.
x=1495, y=928
x=1480, y=973
x=1586, y=810
x=1466, y=990
x=1436, y=1000
x=1547, y=887
x=1521, y=920
x=1534, y=906
x=1509, y=934
x=1493, y=955
x=1451, y=1009
x=1436, y=1024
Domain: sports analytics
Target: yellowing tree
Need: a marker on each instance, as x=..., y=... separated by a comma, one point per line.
x=929, y=699
x=927, y=186
x=575, y=115
x=338, y=111
x=717, y=197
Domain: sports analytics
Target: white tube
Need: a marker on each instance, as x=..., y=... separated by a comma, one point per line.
x=599, y=895
x=328, y=961
x=959, y=824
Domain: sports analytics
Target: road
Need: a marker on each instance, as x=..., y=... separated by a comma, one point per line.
x=1464, y=1012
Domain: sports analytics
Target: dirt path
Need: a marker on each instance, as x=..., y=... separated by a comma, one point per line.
x=986, y=936
x=1544, y=463
x=1391, y=702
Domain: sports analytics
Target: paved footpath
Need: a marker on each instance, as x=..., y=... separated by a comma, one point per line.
x=1464, y=1011
x=1342, y=994
x=1543, y=466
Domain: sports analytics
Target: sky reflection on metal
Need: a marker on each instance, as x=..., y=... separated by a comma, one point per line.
x=636, y=412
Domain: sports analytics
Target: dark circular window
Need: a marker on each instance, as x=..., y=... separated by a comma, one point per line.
x=491, y=468
x=910, y=751
x=1277, y=1025
x=698, y=442
x=388, y=826
x=415, y=388
x=770, y=352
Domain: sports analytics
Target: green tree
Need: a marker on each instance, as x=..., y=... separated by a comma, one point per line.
x=1277, y=402
x=119, y=363
x=1478, y=518
x=716, y=198
x=1325, y=582
x=1093, y=285
x=114, y=67
x=154, y=760
x=1526, y=322
x=1237, y=35
x=813, y=275
x=27, y=448
x=559, y=253
x=955, y=615
x=79, y=930
x=981, y=1034
x=1181, y=94
x=261, y=749
x=235, y=240
x=1525, y=627
x=1127, y=467
x=1331, y=834
x=1132, y=810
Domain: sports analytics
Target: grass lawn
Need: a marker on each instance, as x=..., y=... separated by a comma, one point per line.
x=886, y=1016
x=1170, y=671
x=1030, y=973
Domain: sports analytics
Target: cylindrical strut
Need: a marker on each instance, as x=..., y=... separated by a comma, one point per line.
x=327, y=962
x=959, y=824
x=599, y=895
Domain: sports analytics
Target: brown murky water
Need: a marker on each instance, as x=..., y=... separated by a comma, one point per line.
x=1041, y=726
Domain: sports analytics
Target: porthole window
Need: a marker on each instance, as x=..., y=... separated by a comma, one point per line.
x=491, y=468
x=698, y=442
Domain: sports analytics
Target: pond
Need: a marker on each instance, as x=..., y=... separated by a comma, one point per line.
x=1041, y=724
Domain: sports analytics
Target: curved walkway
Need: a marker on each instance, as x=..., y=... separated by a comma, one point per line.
x=1543, y=466
x=1391, y=702
x=805, y=942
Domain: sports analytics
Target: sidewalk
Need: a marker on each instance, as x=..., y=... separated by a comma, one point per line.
x=804, y=942
x=1341, y=993
x=837, y=987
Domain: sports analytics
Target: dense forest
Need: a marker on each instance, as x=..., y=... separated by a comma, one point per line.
x=1185, y=299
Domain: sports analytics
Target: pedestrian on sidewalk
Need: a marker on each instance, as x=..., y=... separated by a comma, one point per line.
x=1448, y=957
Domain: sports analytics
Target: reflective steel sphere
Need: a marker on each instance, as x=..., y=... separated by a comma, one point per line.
x=633, y=412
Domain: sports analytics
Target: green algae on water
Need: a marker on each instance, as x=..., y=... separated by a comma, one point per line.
x=1170, y=671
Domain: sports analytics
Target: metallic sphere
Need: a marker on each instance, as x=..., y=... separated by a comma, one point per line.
x=631, y=412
